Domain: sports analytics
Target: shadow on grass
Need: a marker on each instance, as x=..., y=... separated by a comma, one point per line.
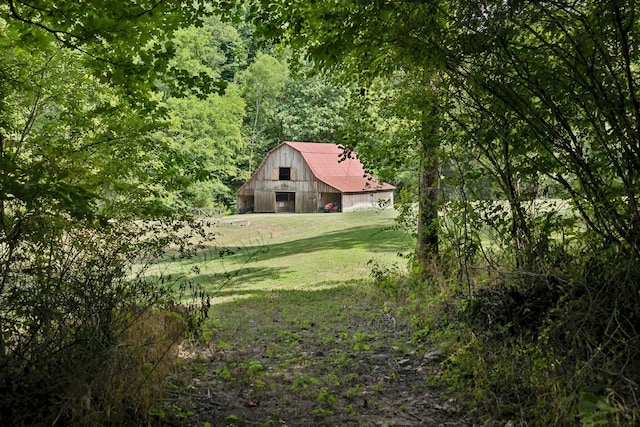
x=234, y=268
x=238, y=277
x=316, y=293
x=371, y=238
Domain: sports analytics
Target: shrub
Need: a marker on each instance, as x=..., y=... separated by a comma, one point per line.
x=554, y=346
x=549, y=351
x=86, y=335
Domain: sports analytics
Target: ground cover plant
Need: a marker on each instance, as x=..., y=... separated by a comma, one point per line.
x=327, y=357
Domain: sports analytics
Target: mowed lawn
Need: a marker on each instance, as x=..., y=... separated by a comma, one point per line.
x=255, y=252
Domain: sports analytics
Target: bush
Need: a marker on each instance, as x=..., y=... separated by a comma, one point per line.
x=547, y=348
x=545, y=351
x=87, y=335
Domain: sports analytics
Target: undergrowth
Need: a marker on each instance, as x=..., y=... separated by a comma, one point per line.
x=543, y=349
x=87, y=337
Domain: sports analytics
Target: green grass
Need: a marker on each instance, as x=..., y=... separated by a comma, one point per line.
x=295, y=333
x=261, y=252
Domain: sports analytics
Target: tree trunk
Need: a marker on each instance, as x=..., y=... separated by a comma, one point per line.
x=429, y=186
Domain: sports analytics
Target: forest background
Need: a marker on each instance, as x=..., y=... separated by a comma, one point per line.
x=510, y=128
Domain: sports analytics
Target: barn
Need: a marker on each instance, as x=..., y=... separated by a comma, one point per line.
x=306, y=176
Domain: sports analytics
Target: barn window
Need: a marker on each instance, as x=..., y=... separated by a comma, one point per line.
x=285, y=174
x=285, y=197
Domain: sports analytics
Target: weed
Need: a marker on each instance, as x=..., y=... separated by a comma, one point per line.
x=326, y=397
x=198, y=369
x=223, y=345
x=179, y=413
x=303, y=324
x=224, y=373
x=288, y=337
x=253, y=368
x=320, y=413
x=353, y=391
x=303, y=382
x=233, y=420
x=338, y=357
x=333, y=379
x=594, y=410
x=362, y=341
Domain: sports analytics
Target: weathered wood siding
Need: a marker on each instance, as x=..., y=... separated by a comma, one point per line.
x=264, y=201
x=364, y=201
x=265, y=182
x=259, y=193
x=307, y=202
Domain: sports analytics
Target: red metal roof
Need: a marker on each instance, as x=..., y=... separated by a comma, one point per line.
x=328, y=164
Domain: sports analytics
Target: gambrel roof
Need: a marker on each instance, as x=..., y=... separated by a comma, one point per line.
x=344, y=173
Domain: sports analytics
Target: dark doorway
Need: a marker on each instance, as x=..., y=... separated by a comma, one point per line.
x=285, y=202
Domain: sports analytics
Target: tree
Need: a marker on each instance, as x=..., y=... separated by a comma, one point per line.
x=210, y=54
x=126, y=46
x=501, y=50
x=555, y=87
x=549, y=91
x=66, y=142
x=261, y=86
x=205, y=135
x=72, y=77
x=312, y=109
x=77, y=115
x=204, y=126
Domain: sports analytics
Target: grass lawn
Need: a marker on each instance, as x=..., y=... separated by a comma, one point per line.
x=295, y=337
x=259, y=252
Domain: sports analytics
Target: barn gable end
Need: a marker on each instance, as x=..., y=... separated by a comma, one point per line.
x=305, y=176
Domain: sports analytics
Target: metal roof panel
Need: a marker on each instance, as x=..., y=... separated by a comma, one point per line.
x=330, y=165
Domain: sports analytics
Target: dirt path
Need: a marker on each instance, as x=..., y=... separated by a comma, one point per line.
x=331, y=357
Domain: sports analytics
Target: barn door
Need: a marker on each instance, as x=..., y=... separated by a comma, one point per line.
x=285, y=202
x=264, y=201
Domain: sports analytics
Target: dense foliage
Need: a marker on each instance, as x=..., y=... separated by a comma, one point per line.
x=513, y=126
x=109, y=116
x=85, y=335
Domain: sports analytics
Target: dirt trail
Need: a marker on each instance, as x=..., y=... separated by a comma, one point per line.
x=332, y=357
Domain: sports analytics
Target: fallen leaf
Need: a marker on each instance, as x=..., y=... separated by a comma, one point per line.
x=252, y=403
